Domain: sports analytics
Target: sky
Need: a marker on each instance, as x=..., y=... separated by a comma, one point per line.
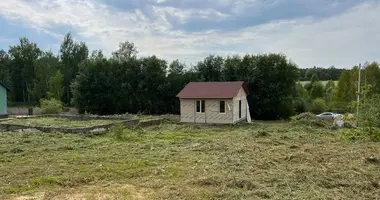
x=310, y=33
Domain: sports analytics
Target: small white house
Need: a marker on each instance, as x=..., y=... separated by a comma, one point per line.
x=214, y=102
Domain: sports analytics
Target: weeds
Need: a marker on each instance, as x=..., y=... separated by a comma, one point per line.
x=120, y=133
x=362, y=134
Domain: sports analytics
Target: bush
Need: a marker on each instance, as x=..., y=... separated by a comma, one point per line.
x=300, y=105
x=370, y=112
x=318, y=106
x=120, y=133
x=51, y=106
x=362, y=134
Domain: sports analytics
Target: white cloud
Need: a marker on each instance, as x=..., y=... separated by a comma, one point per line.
x=342, y=40
x=189, y=14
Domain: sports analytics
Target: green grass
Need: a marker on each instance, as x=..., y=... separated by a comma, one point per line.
x=56, y=122
x=274, y=160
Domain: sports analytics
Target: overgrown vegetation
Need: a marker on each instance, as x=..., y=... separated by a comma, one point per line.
x=51, y=106
x=274, y=160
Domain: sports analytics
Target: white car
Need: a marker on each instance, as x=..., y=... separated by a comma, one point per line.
x=327, y=115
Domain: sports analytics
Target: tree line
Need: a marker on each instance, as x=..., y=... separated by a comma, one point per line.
x=324, y=74
x=127, y=83
x=338, y=96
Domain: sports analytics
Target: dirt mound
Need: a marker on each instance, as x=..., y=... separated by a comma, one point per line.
x=305, y=116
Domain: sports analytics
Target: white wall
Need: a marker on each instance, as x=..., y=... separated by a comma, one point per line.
x=243, y=97
x=212, y=113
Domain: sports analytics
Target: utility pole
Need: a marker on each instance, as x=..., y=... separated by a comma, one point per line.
x=358, y=97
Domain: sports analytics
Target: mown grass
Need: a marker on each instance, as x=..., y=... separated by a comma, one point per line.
x=57, y=122
x=277, y=160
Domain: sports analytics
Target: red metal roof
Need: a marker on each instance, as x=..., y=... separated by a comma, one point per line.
x=212, y=90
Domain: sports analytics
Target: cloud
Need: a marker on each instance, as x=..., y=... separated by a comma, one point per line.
x=184, y=16
x=342, y=39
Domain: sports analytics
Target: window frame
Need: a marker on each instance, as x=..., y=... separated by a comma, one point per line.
x=220, y=106
x=202, y=107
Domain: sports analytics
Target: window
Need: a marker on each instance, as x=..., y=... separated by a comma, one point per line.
x=222, y=107
x=201, y=106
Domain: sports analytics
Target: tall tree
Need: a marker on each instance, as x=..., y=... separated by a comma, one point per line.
x=72, y=54
x=5, y=75
x=127, y=50
x=271, y=84
x=210, y=68
x=45, y=67
x=345, y=91
x=22, y=68
x=55, y=86
x=317, y=90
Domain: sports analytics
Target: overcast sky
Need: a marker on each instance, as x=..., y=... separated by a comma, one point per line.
x=310, y=32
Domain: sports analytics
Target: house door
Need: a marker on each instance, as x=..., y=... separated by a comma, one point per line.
x=240, y=109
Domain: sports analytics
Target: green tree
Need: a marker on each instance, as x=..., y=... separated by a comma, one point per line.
x=94, y=90
x=72, y=54
x=45, y=67
x=5, y=75
x=127, y=50
x=56, y=86
x=231, y=67
x=329, y=93
x=371, y=76
x=22, y=69
x=345, y=90
x=210, y=68
x=314, y=79
x=176, y=81
x=271, y=82
x=317, y=90
x=318, y=106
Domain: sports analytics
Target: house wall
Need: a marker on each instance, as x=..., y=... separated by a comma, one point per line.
x=243, y=97
x=3, y=101
x=187, y=110
x=212, y=114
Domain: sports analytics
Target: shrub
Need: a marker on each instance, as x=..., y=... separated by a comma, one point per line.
x=318, y=106
x=120, y=133
x=51, y=106
x=300, y=105
x=370, y=112
x=362, y=133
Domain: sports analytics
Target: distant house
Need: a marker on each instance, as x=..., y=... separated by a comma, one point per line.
x=3, y=98
x=214, y=102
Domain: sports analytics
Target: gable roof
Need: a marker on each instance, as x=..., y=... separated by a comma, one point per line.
x=6, y=87
x=212, y=90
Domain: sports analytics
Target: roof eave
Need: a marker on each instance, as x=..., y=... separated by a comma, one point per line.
x=6, y=87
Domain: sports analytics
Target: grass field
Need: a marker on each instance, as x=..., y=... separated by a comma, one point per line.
x=272, y=160
x=56, y=122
